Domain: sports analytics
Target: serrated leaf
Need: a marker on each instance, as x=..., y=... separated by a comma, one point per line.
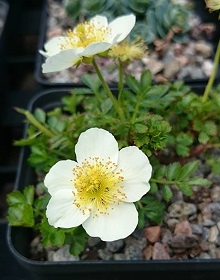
x=41, y=203
x=106, y=105
x=29, y=194
x=140, y=128
x=145, y=81
x=173, y=170
x=56, y=124
x=182, y=150
x=167, y=193
x=91, y=81
x=199, y=182
x=21, y=215
x=203, y=137
x=15, y=197
x=57, y=238
x=185, y=188
x=153, y=208
x=132, y=83
x=79, y=239
x=153, y=188
x=40, y=115
x=187, y=170
x=210, y=128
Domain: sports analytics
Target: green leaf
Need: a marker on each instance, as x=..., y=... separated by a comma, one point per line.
x=152, y=208
x=182, y=150
x=153, y=188
x=214, y=163
x=145, y=81
x=187, y=170
x=199, y=182
x=140, y=128
x=41, y=203
x=185, y=188
x=132, y=83
x=21, y=215
x=51, y=236
x=167, y=193
x=203, y=137
x=40, y=115
x=92, y=81
x=173, y=170
x=56, y=123
x=106, y=105
x=29, y=194
x=15, y=197
x=210, y=128
x=79, y=239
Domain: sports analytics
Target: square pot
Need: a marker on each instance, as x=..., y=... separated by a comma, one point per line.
x=59, y=79
x=18, y=238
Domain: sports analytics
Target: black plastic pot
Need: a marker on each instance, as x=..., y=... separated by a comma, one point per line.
x=18, y=238
x=4, y=8
x=200, y=9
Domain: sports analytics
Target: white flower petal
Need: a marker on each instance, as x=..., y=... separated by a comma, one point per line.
x=60, y=176
x=115, y=225
x=53, y=46
x=99, y=21
x=61, y=212
x=62, y=60
x=96, y=142
x=136, y=170
x=95, y=48
x=122, y=25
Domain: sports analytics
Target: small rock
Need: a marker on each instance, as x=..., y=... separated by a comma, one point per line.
x=183, y=241
x=181, y=210
x=152, y=233
x=207, y=67
x=213, y=235
x=183, y=227
x=62, y=254
x=204, y=48
x=148, y=252
x=114, y=246
x=215, y=194
x=159, y=252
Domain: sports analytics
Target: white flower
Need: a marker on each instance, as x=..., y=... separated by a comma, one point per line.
x=213, y=5
x=84, y=41
x=99, y=189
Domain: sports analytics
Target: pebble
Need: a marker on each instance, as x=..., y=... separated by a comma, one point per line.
x=62, y=254
x=152, y=233
x=159, y=252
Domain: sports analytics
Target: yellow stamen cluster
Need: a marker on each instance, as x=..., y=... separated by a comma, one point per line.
x=98, y=186
x=84, y=34
x=128, y=51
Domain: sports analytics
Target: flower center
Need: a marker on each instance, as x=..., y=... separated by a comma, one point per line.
x=98, y=186
x=128, y=50
x=85, y=34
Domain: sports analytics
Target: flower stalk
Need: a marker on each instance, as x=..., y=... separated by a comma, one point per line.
x=213, y=74
x=108, y=91
x=35, y=122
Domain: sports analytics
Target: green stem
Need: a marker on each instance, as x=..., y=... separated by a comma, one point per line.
x=35, y=122
x=120, y=80
x=213, y=74
x=136, y=109
x=109, y=92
